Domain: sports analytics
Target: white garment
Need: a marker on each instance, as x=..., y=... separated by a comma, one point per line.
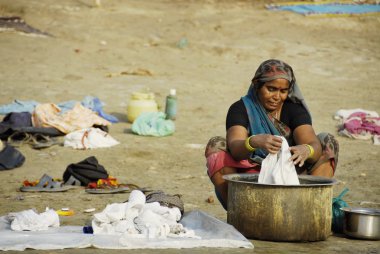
x=139, y=219
x=89, y=138
x=29, y=220
x=278, y=169
x=119, y=217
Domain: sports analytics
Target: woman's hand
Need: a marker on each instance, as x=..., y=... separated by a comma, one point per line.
x=300, y=154
x=268, y=142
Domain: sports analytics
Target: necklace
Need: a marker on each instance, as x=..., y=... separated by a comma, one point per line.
x=276, y=114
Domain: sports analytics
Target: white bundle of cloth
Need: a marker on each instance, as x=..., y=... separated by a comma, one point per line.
x=30, y=220
x=278, y=169
x=89, y=138
x=139, y=219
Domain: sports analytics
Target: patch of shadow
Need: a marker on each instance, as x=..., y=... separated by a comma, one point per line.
x=122, y=117
x=141, y=154
x=72, y=77
x=128, y=131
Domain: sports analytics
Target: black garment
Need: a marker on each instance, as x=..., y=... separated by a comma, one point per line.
x=10, y=158
x=22, y=122
x=292, y=114
x=86, y=171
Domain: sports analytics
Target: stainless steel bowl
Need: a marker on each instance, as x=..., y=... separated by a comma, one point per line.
x=362, y=223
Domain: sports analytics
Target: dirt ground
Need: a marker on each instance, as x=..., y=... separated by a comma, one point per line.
x=336, y=62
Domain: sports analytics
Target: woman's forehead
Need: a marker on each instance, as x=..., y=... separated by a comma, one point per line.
x=279, y=83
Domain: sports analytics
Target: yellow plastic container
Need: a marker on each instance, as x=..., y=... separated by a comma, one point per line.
x=139, y=103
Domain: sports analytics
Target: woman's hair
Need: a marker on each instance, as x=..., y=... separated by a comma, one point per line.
x=273, y=69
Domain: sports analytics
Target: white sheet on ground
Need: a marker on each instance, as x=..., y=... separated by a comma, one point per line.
x=212, y=233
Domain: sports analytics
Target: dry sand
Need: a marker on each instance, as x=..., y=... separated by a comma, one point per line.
x=336, y=61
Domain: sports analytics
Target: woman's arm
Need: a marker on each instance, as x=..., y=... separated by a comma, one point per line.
x=304, y=135
x=237, y=136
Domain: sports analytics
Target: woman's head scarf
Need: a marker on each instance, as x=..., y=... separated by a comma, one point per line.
x=259, y=122
x=276, y=69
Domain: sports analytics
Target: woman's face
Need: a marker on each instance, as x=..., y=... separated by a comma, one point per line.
x=273, y=94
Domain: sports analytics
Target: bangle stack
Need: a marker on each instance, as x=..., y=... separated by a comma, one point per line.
x=311, y=149
x=248, y=145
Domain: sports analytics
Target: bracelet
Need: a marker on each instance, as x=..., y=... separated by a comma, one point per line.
x=248, y=145
x=311, y=149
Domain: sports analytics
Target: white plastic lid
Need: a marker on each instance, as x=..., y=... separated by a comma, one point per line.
x=172, y=92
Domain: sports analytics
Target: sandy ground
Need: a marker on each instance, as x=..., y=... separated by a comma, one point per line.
x=336, y=61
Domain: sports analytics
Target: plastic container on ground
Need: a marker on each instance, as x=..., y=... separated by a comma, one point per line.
x=140, y=103
x=171, y=105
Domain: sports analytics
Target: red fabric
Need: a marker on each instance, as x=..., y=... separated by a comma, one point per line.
x=217, y=161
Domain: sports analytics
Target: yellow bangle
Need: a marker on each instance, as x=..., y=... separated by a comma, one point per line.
x=311, y=151
x=248, y=145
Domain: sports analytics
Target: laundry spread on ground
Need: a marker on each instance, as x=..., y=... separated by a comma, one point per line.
x=327, y=8
x=90, y=102
x=209, y=231
x=359, y=124
x=40, y=124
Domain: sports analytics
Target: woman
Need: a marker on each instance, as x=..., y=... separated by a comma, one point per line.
x=273, y=106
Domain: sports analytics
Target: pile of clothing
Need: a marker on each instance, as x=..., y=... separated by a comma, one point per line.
x=84, y=125
x=359, y=124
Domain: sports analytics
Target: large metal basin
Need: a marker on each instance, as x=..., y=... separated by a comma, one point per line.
x=280, y=212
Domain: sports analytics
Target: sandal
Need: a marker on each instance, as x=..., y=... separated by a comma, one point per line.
x=17, y=139
x=45, y=184
x=40, y=141
x=110, y=185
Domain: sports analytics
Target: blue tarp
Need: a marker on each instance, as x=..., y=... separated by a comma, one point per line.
x=332, y=8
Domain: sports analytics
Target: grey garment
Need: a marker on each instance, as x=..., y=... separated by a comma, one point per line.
x=330, y=152
x=166, y=200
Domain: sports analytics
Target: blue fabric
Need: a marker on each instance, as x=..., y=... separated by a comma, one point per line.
x=96, y=105
x=307, y=9
x=153, y=124
x=18, y=106
x=259, y=122
x=66, y=106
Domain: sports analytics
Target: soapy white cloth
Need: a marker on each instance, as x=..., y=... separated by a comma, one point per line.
x=278, y=169
x=139, y=219
x=89, y=138
x=29, y=220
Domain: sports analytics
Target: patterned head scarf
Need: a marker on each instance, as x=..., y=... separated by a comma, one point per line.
x=276, y=69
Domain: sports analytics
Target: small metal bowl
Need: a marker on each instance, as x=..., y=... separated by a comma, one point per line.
x=362, y=223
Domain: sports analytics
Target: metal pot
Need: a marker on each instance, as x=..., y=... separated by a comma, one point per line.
x=363, y=223
x=280, y=212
